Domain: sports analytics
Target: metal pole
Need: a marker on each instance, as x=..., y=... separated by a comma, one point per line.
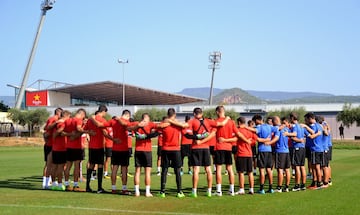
x=30, y=61
x=211, y=86
x=123, y=96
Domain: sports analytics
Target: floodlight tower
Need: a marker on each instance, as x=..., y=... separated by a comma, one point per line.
x=45, y=6
x=214, y=59
x=123, y=82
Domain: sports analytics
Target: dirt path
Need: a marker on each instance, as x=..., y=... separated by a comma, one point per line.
x=21, y=141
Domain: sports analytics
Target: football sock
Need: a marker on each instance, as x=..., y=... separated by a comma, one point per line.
x=251, y=190
x=105, y=173
x=47, y=181
x=147, y=189
x=218, y=188
x=231, y=188
x=124, y=187
x=44, y=181
x=99, y=177
x=113, y=187
x=158, y=169
x=194, y=190
x=209, y=190
x=178, y=179
x=163, y=179
x=137, y=190
x=261, y=186
x=67, y=183
x=88, y=177
x=270, y=187
x=76, y=184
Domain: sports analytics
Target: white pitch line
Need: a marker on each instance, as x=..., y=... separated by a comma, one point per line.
x=94, y=209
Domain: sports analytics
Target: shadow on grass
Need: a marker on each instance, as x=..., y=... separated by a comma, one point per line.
x=23, y=183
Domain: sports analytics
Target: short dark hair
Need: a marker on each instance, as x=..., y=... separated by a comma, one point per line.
x=102, y=108
x=171, y=112
x=241, y=120
x=81, y=110
x=249, y=122
x=293, y=116
x=309, y=115
x=144, y=114
x=257, y=117
x=187, y=118
x=65, y=113
x=197, y=110
x=284, y=119
x=217, y=109
x=126, y=111
x=57, y=110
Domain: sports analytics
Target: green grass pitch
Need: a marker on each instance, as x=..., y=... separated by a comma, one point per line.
x=21, y=193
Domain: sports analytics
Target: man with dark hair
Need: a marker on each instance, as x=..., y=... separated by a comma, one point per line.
x=74, y=152
x=265, y=159
x=299, y=153
x=315, y=133
x=199, y=131
x=170, y=154
x=49, y=129
x=96, y=147
x=143, y=154
x=223, y=151
x=185, y=148
x=59, y=150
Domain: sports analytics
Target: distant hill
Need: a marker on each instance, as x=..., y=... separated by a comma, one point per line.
x=328, y=99
x=235, y=96
x=8, y=100
x=201, y=92
x=278, y=96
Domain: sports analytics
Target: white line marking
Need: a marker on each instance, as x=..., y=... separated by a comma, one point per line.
x=93, y=209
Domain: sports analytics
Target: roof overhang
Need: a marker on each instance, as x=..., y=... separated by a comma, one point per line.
x=109, y=91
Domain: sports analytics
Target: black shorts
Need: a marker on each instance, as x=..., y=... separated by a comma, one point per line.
x=329, y=153
x=291, y=153
x=159, y=151
x=298, y=158
x=265, y=160
x=74, y=154
x=59, y=157
x=282, y=160
x=108, y=152
x=170, y=159
x=212, y=150
x=143, y=159
x=185, y=150
x=96, y=156
x=200, y=157
x=47, y=150
x=325, y=160
x=120, y=158
x=254, y=153
x=308, y=153
x=223, y=157
x=317, y=158
x=244, y=164
x=234, y=150
x=83, y=154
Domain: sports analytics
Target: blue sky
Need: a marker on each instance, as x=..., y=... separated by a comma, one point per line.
x=266, y=45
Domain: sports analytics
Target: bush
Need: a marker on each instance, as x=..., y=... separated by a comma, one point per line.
x=285, y=112
x=155, y=114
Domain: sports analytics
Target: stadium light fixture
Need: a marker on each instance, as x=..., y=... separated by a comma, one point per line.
x=123, y=82
x=214, y=59
x=45, y=6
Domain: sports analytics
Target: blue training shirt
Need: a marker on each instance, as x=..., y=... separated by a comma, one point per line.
x=300, y=132
x=317, y=143
x=264, y=131
x=282, y=145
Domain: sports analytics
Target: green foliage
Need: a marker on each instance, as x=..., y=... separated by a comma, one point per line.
x=210, y=113
x=33, y=118
x=155, y=114
x=285, y=112
x=349, y=115
x=3, y=107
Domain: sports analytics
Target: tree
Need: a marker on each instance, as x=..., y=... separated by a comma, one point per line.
x=155, y=114
x=349, y=115
x=285, y=112
x=32, y=118
x=211, y=113
x=3, y=107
